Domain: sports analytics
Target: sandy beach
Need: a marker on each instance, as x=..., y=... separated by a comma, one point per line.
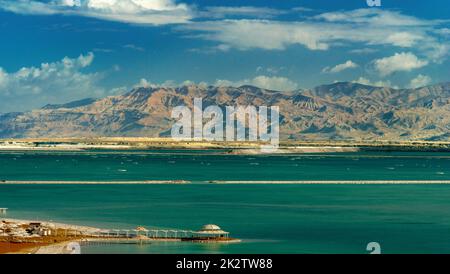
x=43, y=237
x=19, y=248
x=16, y=241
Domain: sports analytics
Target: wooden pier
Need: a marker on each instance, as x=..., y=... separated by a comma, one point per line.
x=151, y=234
x=142, y=235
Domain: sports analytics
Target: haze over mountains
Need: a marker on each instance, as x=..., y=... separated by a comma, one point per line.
x=339, y=111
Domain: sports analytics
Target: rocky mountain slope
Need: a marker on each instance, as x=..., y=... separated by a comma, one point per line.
x=340, y=111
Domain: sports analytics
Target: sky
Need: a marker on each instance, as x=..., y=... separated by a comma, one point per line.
x=57, y=51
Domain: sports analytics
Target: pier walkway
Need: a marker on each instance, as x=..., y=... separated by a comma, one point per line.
x=142, y=235
x=152, y=233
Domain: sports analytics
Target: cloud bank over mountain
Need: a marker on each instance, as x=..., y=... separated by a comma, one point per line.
x=31, y=87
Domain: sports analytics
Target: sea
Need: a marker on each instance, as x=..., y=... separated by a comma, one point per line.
x=267, y=218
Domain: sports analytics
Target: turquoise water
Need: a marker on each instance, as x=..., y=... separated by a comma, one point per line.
x=140, y=165
x=268, y=218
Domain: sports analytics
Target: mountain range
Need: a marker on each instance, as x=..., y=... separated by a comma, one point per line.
x=338, y=111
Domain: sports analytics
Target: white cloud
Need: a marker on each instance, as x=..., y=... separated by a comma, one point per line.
x=83, y=60
x=364, y=27
x=369, y=27
x=152, y=12
x=190, y=83
x=3, y=77
x=241, y=11
x=57, y=82
x=262, y=81
x=118, y=90
x=144, y=83
x=367, y=82
x=438, y=52
x=247, y=34
x=271, y=70
x=338, y=68
x=363, y=50
x=277, y=35
x=404, y=61
x=375, y=17
x=70, y=3
x=134, y=47
x=301, y=9
x=420, y=81
x=404, y=39
x=443, y=31
x=168, y=83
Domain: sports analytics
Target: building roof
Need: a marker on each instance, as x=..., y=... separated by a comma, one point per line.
x=211, y=229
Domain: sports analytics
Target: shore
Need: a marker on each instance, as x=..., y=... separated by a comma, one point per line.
x=19, y=248
x=16, y=236
x=233, y=147
x=55, y=225
x=44, y=237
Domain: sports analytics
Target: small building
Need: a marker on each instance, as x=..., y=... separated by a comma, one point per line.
x=210, y=232
x=3, y=210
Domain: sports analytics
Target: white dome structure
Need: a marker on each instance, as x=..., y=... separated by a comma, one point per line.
x=211, y=227
x=211, y=231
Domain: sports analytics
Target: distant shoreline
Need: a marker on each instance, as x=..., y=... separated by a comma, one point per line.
x=223, y=182
x=235, y=147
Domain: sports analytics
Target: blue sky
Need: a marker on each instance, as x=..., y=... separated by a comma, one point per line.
x=61, y=50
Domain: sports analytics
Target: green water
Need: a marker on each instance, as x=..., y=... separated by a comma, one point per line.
x=140, y=165
x=268, y=218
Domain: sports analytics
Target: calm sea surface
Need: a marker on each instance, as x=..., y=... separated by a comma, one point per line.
x=268, y=218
